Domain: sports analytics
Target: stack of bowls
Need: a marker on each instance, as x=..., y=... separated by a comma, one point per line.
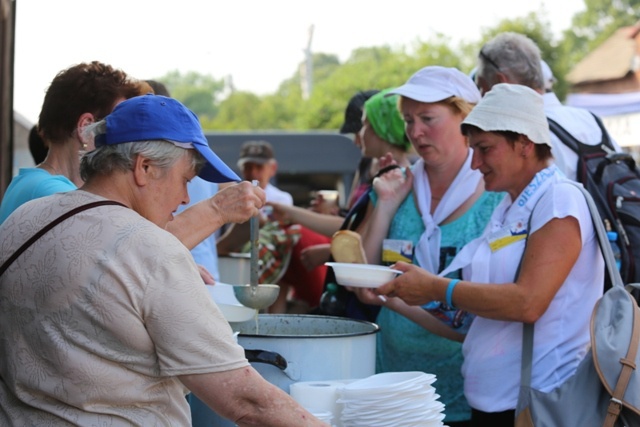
x=391, y=399
x=325, y=416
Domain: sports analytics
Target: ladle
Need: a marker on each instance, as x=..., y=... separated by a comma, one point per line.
x=254, y=295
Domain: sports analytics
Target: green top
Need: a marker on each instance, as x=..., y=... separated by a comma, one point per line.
x=402, y=345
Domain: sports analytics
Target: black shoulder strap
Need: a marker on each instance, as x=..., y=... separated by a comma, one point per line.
x=355, y=215
x=606, y=139
x=49, y=226
x=576, y=145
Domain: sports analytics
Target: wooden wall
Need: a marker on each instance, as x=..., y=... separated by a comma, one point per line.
x=7, y=37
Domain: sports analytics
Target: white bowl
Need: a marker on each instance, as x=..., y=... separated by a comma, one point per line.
x=236, y=313
x=362, y=275
x=222, y=294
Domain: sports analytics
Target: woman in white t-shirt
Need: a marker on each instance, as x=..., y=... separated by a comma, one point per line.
x=561, y=272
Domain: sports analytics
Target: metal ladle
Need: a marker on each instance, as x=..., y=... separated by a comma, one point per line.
x=253, y=295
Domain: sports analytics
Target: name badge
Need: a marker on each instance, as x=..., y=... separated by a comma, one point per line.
x=397, y=250
x=508, y=235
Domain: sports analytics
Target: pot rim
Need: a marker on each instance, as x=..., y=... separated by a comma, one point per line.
x=374, y=327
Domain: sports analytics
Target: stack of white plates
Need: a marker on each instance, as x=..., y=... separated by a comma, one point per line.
x=326, y=416
x=391, y=399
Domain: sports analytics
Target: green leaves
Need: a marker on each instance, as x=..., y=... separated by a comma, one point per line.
x=380, y=67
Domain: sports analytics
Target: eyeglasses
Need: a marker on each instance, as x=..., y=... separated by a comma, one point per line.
x=489, y=60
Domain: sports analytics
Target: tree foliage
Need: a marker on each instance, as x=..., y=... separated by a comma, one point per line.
x=380, y=67
x=595, y=24
x=201, y=93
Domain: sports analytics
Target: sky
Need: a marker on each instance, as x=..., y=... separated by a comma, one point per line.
x=258, y=42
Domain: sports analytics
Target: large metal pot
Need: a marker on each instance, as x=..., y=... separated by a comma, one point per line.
x=288, y=348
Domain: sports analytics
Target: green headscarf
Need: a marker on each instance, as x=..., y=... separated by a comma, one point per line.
x=382, y=113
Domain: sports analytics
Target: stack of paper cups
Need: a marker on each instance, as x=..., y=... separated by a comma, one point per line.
x=318, y=397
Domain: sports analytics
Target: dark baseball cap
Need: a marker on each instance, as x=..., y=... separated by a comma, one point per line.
x=353, y=112
x=259, y=152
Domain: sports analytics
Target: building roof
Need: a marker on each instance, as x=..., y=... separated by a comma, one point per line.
x=619, y=54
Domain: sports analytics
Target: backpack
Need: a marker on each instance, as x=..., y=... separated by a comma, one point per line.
x=605, y=389
x=613, y=180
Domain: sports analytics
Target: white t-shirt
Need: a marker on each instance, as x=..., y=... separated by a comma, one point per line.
x=579, y=123
x=493, y=349
x=275, y=195
x=99, y=317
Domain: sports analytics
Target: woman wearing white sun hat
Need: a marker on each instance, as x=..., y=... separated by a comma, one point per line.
x=562, y=268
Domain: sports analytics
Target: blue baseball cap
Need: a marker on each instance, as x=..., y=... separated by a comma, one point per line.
x=156, y=117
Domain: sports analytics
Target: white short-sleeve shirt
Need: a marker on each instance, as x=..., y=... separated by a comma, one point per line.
x=493, y=349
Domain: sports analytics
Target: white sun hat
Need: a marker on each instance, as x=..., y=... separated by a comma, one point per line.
x=435, y=83
x=513, y=108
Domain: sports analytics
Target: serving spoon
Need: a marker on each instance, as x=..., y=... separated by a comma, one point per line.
x=254, y=295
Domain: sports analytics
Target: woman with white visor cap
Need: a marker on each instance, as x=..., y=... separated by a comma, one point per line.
x=436, y=206
x=561, y=271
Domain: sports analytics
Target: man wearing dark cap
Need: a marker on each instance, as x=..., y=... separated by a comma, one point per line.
x=257, y=162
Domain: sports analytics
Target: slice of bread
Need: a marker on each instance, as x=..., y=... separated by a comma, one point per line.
x=346, y=246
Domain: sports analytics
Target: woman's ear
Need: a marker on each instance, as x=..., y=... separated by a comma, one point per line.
x=526, y=146
x=142, y=171
x=83, y=121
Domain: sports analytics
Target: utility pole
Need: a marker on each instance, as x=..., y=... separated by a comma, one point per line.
x=306, y=68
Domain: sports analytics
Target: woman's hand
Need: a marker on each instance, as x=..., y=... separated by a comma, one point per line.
x=386, y=160
x=206, y=276
x=393, y=186
x=238, y=202
x=368, y=296
x=280, y=213
x=413, y=286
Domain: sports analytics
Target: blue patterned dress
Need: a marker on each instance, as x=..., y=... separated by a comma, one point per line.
x=402, y=345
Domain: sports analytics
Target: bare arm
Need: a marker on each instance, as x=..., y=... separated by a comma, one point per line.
x=243, y=396
x=550, y=254
x=320, y=223
x=416, y=314
x=233, y=204
x=392, y=188
x=315, y=256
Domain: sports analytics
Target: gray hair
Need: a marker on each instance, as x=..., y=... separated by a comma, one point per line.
x=107, y=159
x=516, y=56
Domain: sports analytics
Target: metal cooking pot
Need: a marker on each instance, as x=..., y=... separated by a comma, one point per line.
x=288, y=348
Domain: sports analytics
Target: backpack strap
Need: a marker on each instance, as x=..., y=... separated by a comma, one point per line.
x=49, y=226
x=355, y=215
x=614, y=274
x=628, y=367
x=578, y=146
x=628, y=362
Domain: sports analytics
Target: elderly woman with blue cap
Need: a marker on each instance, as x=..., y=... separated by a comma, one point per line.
x=436, y=208
x=543, y=229
x=104, y=317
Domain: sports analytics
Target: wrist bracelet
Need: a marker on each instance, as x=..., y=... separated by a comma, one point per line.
x=449, y=294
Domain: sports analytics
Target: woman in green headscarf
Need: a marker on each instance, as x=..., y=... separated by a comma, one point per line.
x=382, y=130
